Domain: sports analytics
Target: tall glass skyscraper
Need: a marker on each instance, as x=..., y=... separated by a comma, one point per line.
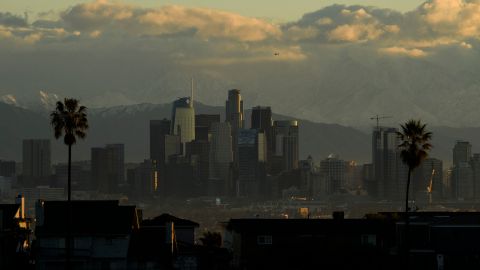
x=234, y=116
x=286, y=143
x=183, y=120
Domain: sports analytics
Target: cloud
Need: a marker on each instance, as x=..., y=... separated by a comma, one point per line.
x=355, y=32
x=416, y=53
x=297, y=33
x=452, y=17
x=8, y=19
x=201, y=22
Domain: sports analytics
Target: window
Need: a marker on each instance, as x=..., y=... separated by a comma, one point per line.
x=264, y=240
x=369, y=240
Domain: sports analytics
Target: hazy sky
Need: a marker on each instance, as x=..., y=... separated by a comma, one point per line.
x=274, y=9
x=305, y=58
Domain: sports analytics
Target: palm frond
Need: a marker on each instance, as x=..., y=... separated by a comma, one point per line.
x=69, y=119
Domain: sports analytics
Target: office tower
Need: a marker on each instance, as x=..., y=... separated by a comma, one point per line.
x=427, y=181
x=98, y=159
x=333, y=170
x=80, y=175
x=108, y=167
x=7, y=168
x=307, y=171
x=368, y=178
x=234, y=110
x=251, y=162
x=262, y=121
x=172, y=147
x=206, y=120
x=475, y=163
x=203, y=123
x=198, y=152
x=234, y=116
x=36, y=162
x=221, y=156
x=285, y=143
x=183, y=120
x=158, y=130
x=143, y=180
x=462, y=152
x=389, y=171
x=462, y=172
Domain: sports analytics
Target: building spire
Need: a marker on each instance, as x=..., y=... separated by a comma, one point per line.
x=191, y=96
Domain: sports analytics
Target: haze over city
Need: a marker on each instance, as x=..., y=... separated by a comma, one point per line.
x=228, y=134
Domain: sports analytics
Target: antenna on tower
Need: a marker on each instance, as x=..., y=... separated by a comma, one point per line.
x=191, y=95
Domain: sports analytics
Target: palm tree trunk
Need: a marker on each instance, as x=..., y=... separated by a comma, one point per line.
x=68, y=239
x=407, y=219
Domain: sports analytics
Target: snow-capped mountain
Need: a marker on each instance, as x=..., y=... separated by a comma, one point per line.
x=42, y=102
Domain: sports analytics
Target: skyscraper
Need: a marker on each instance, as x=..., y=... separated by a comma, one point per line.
x=221, y=155
x=143, y=180
x=262, y=121
x=203, y=124
x=234, y=116
x=158, y=130
x=333, y=170
x=462, y=152
x=7, y=168
x=475, y=163
x=251, y=162
x=234, y=110
x=389, y=171
x=108, y=167
x=462, y=172
x=430, y=169
x=183, y=120
x=36, y=162
x=262, y=118
x=285, y=143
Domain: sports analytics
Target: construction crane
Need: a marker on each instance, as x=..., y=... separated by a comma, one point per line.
x=430, y=187
x=378, y=118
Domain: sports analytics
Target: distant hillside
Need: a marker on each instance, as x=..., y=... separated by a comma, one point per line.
x=130, y=125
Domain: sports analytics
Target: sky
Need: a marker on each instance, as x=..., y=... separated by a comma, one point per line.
x=283, y=10
x=326, y=61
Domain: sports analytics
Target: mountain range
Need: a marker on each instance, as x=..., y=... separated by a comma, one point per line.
x=130, y=125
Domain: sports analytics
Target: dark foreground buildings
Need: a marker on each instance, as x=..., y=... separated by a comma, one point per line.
x=438, y=240
x=107, y=235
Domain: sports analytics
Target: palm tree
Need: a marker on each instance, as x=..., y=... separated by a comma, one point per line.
x=70, y=119
x=414, y=146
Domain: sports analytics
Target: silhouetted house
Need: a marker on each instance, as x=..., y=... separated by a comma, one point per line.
x=101, y=232
x=14, y=237
x=164, y=242
x=310, y=243
x=449, y=239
